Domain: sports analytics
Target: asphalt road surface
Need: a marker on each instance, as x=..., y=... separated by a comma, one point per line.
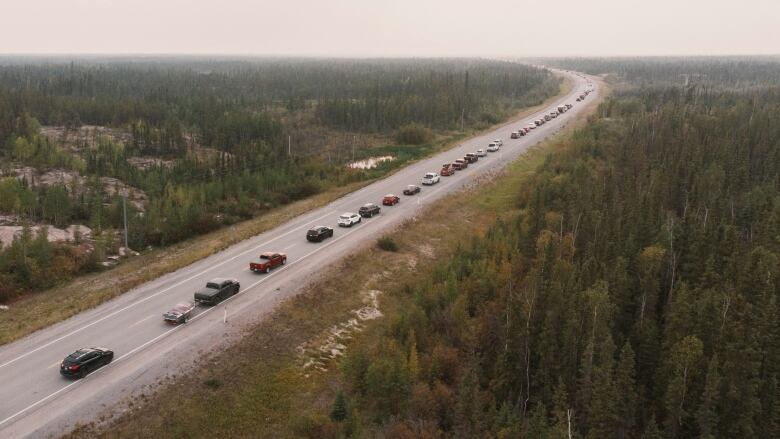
x=36, y=401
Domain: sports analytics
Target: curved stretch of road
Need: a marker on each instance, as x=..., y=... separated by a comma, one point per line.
x=36, y=401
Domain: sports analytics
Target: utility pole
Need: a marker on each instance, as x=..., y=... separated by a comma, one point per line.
x=124, y=210
x=289, y=146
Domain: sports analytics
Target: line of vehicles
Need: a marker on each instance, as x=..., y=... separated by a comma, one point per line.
x=83, y=361
x=541, y=121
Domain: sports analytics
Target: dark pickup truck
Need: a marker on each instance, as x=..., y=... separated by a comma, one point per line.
x=268, y=261
x=216, y=291
x=368, y=210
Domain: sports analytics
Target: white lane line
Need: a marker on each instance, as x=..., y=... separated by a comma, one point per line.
x=39, y=402
x=143, y=320
x=168, y=332
x=194, y=318
x=75, y=331
x=55, y=364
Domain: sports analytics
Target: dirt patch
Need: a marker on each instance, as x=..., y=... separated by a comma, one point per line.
x=317, y=354
x=144, y=163
x=76, y=183
x=85, y=136
x=73, y=233
x=114, y=186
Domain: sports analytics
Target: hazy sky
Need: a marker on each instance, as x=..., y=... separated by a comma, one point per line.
x=392, y=27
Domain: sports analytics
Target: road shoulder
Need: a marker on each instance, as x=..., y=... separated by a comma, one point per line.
x=56, y=305
x=284, y=370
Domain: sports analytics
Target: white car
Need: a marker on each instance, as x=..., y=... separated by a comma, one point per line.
x=531, y=126
x=481, y=153
x=348, y=219
x=430, y=178
x=492, y=147
x=498, y=142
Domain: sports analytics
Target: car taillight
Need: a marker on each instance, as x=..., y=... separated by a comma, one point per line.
x=75, y=367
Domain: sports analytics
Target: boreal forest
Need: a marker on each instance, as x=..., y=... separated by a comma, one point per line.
x=183, y=146
x=634, y=294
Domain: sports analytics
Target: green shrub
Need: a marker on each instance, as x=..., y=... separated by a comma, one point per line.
x=213, y=383
x=413, y=134
x=387, y=243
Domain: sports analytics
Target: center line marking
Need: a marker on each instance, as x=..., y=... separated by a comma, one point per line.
x=45, y=345
x=170, y=331
x=143, y=320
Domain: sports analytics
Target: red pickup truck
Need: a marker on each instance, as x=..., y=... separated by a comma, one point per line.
x=446, y=170
x=460, y=164
x=268, y=261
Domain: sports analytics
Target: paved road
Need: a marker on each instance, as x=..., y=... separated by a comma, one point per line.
x=35, y=401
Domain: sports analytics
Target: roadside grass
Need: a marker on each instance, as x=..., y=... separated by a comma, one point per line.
x=85, y=292
x=43, y=309
x=260, y=388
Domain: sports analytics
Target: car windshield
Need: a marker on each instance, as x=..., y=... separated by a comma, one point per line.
x=78, y=354
x=345, y=216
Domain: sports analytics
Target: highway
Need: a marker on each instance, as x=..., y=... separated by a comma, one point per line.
x=35, y=401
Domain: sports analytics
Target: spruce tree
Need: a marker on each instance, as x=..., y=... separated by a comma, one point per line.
x=627, y=398
x=339, y=411
x=707, y=415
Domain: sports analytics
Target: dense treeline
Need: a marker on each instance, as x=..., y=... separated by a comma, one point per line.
x=227, y=102
x=635, y=295
x=717, y=72
x=223, y=128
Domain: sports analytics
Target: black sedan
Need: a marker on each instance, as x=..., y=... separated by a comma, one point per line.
x=84, y=361
x=412, y=189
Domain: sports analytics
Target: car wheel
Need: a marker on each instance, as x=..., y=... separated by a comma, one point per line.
x=267, y=269
x=284, y=261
